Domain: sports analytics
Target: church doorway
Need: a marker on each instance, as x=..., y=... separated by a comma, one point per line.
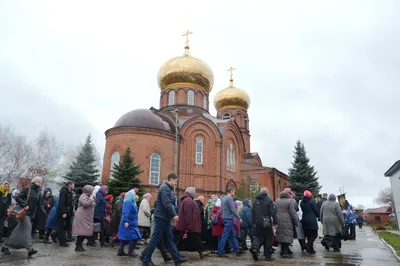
x=231, y=184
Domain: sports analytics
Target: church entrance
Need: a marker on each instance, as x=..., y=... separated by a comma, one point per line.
x=231, y=184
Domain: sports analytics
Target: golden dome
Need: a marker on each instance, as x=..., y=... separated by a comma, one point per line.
x=231, y=97
x=185, y=70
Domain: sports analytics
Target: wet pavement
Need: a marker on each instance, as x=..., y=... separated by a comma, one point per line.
x=367, y=250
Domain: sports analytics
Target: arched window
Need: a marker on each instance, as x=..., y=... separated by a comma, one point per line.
x=199, y=151
x=171, y=98
x=205, y=102
x=190, y=97
x=230, y=157
x=233, y=161
x=114, y=159
x=227, y=158
x=155, y=169
x=226, y=116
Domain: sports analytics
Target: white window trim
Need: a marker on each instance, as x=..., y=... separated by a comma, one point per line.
x=112, y=161
x=171, y=98
x=205, y=102
x=153, y=171
x=199, y=140
x=190, y=97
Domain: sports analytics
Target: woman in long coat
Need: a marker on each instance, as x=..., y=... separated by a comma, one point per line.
x=287, y=220
x=128, y=227
x=116, y=218
x=144, y=217
x=309, y=220
x=45, y=206
x=52, y=223
x=83, y=222
x=332, y=218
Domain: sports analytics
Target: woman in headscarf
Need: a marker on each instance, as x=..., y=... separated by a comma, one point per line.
x=5, y=202
x=189, y=224
x=332, y=218
x=52, y=223
x=100, y=212
x=116, y=218
x=144, y=217
x=309, y=220
x=45, y=206
x=95, y=190
x=83, y=222
x=129, y=229
x=21, y=237
x=217, y=225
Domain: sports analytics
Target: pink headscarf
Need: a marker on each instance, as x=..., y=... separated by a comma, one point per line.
x=147, y=196
x=103, y=189
x=307, y=194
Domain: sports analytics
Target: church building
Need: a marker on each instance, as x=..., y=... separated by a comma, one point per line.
x=210, y=153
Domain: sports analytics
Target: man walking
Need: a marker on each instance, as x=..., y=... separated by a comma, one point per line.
x=64, y=212
x=228, y=212
x=163, y=216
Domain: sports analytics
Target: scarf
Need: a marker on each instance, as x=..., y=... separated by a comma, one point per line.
x=3, y=191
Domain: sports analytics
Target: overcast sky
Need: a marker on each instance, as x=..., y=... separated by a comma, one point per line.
x=324, y=73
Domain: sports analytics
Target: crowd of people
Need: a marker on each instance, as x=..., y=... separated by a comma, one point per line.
x=222, y=225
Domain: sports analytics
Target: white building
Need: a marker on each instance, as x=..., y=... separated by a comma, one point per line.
x=394, y=174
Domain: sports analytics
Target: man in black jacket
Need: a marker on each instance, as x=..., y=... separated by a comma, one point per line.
x=64, y=212
x=321, y=201
x=264, y=216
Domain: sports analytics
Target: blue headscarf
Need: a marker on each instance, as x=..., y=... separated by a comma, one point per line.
x=130, y=195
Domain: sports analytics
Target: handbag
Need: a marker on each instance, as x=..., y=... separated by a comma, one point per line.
x=266, y=221
x=96, y=227
x=18, y=212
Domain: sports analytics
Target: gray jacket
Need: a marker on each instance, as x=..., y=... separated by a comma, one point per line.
x=228, y=209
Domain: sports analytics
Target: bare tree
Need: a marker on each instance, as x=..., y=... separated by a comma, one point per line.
x=360, y=207
x=48, y=152
x=385, y=197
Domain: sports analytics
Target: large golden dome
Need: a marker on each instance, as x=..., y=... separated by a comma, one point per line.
x=231, y=97
x=185, y=70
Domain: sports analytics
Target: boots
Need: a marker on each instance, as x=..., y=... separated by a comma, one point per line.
x=79, y=248
x=121, y=253
x=132, y=253
x=302, y=243
x=53, y=236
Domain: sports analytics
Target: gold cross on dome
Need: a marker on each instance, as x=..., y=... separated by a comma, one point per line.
x=231, y=72
x=187, y=37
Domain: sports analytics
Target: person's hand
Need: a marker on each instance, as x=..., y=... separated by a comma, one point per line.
x=26, y=208
x=176, y=218
x=126, y=225
x=241, y=221
x=64, y=216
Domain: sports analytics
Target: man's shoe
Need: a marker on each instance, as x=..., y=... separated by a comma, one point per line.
x=255, y=254
x=32, y=252
x=268, y=257
x=222, y=255
x=121, y=253
x=240, y=253
x=181, y=260
x=79, y=249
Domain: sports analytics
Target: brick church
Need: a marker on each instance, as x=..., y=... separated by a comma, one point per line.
x=208, y=152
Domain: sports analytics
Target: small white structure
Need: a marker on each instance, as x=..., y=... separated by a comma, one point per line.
x=394, y=174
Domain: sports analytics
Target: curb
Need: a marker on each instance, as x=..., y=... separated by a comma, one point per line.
x=389, y=246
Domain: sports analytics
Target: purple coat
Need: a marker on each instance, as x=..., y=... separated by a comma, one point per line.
x=83, y=221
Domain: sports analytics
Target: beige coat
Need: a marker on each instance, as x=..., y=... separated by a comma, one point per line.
x=144, y=213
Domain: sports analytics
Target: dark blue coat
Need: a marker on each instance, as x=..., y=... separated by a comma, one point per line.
x=310, y=214
x=165, y=203
x=130, y=216
x=245, y=214
x=52, y=221
x=100, y=209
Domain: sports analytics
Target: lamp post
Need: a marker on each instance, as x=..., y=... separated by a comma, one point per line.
x=176, y=145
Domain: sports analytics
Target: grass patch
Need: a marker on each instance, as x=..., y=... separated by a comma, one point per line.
x=391, y=239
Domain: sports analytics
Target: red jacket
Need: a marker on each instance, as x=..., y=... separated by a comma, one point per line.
x=218, y=228
x=189, y=215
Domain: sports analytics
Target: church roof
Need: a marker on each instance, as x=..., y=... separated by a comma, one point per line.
x=142, y=118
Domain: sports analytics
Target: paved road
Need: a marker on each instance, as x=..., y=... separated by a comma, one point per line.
x=367, y=250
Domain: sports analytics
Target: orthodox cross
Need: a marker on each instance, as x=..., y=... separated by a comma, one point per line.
x=231, y=72
x=187, y=37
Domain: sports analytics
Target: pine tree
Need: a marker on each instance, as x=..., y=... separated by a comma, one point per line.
x=124, y=175
x=83, y=170
x=247, y=188
x=302, y=176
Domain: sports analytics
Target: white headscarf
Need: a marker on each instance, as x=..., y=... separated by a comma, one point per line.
x=95, y=190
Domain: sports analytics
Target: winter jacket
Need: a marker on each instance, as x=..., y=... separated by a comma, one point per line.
x=165, y=203
x=228, y=209
x=245, y=214
x=189, y=215
x=351, y=216
x=144, y=213
x=332, y=218
x=65, y=205
x=359, y=219
x=320, y=202
x=45, y=206
x=52, y=219
x=100, y=209
x=310, y=214
x=130, y=216
x=83, y=220
x=287, y=218
x=262, y=207
x=202, y=219
x=116, y=215
x=33, y=200
x=218, y=228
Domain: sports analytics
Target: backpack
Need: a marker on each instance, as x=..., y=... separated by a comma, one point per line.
x=214, y=218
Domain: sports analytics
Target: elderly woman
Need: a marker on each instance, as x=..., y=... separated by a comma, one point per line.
x=128, y=228
x=144, y=217
x=189, y=224
x=45, y=206
x=83, y=222
x=287, y=220
x=332, y=218
x=116, y=218
x=309, y=220
x=100, y=212
x=21, y=236
x=5, y=202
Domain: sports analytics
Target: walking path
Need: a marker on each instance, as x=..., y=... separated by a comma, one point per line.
x=367, y=250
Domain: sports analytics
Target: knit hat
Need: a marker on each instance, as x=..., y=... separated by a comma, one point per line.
x=109, y=197
x=288, y=190
x=218, y=204
x=307, y=194
x=147, y=196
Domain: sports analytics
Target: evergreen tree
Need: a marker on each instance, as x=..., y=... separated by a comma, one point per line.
x=124, y=175
x=83, y=170
x=302, y=176
x=247, y=188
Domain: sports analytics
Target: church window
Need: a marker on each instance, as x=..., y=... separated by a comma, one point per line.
x=155, y=169
x=226, y=116
x=230, y=157
x=171, y=98
x=190, y=97
x=199, y=151
x=205, y=102
x=233, y=161
x=227, y=158
x=114, y=159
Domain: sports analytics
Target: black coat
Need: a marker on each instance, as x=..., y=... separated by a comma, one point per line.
x=45, y=206
x=5, y=203
x=165, y=203
x=33, y=201
x=116, y=217
x=310, y=214
x=319, y=203
x=65, y=205
x=263, y=206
